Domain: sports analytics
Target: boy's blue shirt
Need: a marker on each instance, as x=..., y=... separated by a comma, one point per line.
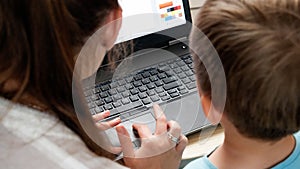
x=293, y=161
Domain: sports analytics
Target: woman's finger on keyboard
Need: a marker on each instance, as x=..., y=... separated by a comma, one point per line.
x=108, y=124
x=143, y=130
x=125, y=141
x=161, y=120
x=101, y=116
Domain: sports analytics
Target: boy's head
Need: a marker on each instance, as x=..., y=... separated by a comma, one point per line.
x=258, y=43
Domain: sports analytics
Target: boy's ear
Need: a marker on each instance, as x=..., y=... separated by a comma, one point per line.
x=210, y=112
x=111, y=28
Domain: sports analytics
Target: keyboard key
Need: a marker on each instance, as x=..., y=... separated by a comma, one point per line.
x=134, y=98
x=145, y=81
x=181, y=75
x=146, y=74
x=154, y=72
x=142, y=89
x=117, y=97
x=95, y=97
x=165, y=98
x=137, y=84
x=126, y=94
x=113, y=85
x=191, y=86
x=130, y=106
x=128, y=86
x=171, y=85
x=177, y=70
x=146, y=101
x=164, y=68
x=173, y=95
x=180, y=63
x=185, y=68
x=129, y=79
x=186, y=57
x=103, y=95
x=162, y=76
x=108, y=100
x=99, y=110
x=121, y=89
x=169, y=73
x=108, y=107
x=188, y=61
x=159, y=83
x=150, y=93
x=153, y=78
x=138, y=77
x=154, y=98
x=96, y=91
x=186, y=80
x=112, y=92
x=151, y=86
x=189, y=73
x=181, y=88
x=87, y=93
x=172, y=91
x=93, y=112
x=134, y=91
x=121, y=82
x=88, y=100
x=162, y=94
x=117, y=104
x=104, y=88
x=170, y=62
x=159, y=90
x=99, y=103
x=125, y=101
x=142, y=95
x=169, y=80
x=173, y=66
x=184, y=91
x=91, y=105
x=193, y=78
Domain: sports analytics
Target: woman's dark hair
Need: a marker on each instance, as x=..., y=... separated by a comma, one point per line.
x=39, y=39
x=258, y=44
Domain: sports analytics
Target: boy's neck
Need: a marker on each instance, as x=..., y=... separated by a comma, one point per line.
x=239, y=151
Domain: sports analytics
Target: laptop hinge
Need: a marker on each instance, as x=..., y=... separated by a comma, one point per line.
x=172, y=42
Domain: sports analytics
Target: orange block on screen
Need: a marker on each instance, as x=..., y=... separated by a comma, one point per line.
x=167, y=4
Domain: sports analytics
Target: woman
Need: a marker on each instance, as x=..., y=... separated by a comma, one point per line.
x=39, y=41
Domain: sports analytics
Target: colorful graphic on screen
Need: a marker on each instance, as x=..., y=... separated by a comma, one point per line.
x=171, y=10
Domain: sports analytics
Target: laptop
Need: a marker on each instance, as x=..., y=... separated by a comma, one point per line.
x=160, y=70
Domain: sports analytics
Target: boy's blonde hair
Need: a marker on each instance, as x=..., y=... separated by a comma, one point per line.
x=258, y=42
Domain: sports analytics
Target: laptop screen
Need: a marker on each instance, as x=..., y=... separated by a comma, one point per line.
x=144, y=17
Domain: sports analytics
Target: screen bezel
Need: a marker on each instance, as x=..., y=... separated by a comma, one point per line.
x=162, y=38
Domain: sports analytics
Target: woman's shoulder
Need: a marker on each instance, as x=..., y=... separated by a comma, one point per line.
x=42, y=141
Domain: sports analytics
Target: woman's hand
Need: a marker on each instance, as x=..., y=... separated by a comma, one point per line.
x=105, y=125
x=160, y=150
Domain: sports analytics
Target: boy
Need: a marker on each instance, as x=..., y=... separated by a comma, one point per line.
x=258, y=43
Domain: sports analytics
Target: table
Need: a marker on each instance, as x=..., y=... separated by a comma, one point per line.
x=203, y=142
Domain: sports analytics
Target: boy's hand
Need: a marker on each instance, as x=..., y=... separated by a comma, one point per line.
x=160, y=150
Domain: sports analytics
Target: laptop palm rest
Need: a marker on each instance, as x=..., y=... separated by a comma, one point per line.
x=187, y=111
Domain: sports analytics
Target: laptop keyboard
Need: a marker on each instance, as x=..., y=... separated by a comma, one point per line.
x=156, y=84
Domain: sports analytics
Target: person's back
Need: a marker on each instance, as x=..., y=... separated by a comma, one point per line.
x=258, y=43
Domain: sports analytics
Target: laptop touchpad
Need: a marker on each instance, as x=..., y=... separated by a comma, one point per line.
x=146, y=119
